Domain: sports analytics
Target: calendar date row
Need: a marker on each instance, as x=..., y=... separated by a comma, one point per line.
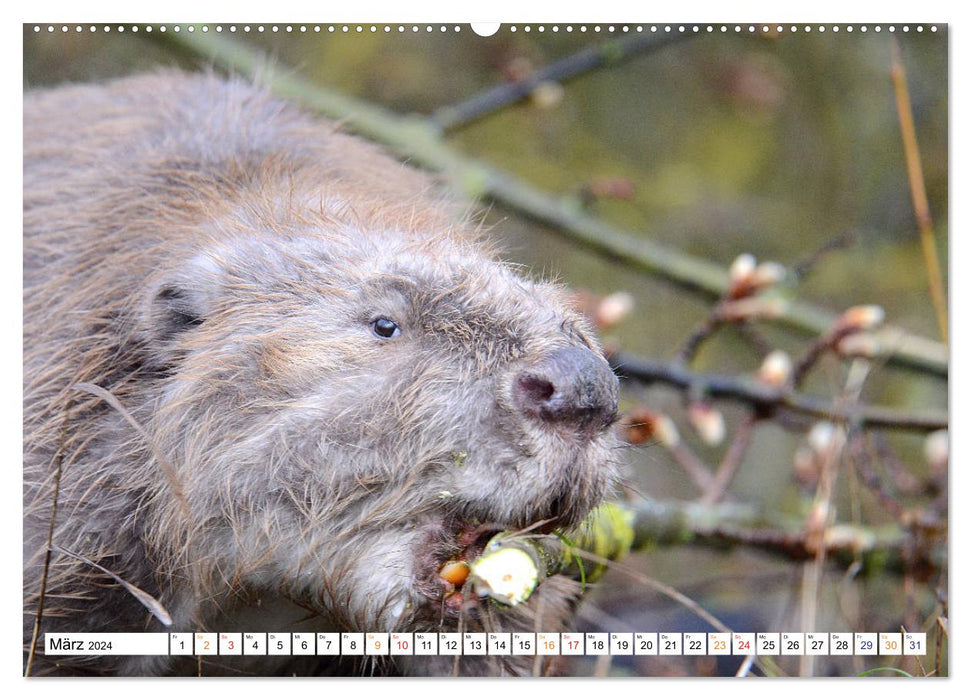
x=489, y=644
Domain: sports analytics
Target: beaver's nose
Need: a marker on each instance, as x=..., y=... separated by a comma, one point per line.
x=572, y=387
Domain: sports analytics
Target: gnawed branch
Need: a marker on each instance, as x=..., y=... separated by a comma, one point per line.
x=513, y=564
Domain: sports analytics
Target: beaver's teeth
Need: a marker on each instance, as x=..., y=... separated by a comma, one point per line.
x=455, y=572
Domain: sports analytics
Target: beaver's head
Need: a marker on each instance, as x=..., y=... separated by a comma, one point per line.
x=347, y=411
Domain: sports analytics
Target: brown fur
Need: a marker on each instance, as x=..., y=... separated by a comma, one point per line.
x=212, y=258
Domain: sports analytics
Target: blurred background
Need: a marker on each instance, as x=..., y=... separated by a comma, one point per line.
x=779, y=145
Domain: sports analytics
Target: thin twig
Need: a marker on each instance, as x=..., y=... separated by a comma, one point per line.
x=821, y=517
x=697, y=337
x=58, y=468
x=746, y=666
x=699, y=472
x=768, y=400
x=809, y=359
x=918, y=190
x=803, y=267
x=760, y=344
x=732, y=460
x=731, y=312
x=861, y=459
x=900, y=474
x=942, y=635
x=611, y=52
x=920, y=665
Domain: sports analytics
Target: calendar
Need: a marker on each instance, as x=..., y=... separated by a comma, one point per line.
x=488, y=644
x=339, y=334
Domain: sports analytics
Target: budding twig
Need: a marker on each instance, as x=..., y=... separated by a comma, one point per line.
x=768, y=400
x=739, y=305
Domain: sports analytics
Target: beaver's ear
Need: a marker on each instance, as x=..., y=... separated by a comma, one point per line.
x=180, y=300
x=175, y=309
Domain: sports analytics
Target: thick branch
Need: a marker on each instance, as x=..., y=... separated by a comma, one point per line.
x=768, y=400
x=676, y=523
x=418, y=140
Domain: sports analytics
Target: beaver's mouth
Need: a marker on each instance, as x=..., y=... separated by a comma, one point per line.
x=446, y=555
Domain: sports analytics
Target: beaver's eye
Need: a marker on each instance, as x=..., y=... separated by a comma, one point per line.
x=385, y=328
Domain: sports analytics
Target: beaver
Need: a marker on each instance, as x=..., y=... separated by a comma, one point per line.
x=275, y=379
